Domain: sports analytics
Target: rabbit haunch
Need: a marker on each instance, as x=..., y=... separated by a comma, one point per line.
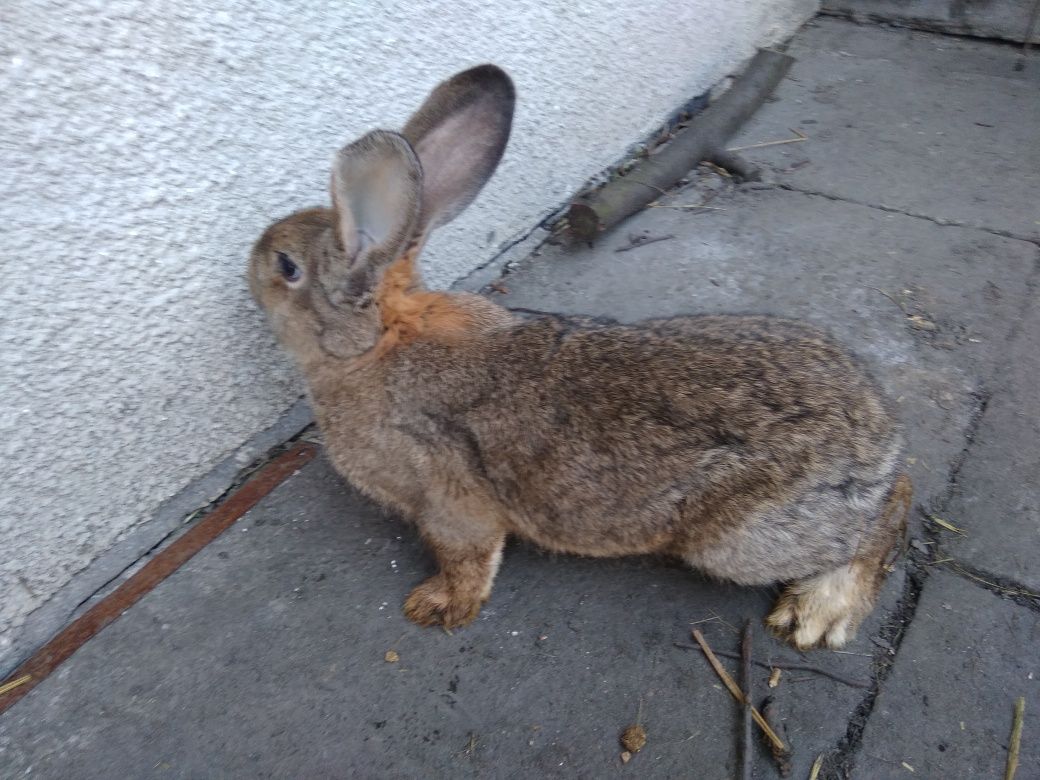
x=753, y=448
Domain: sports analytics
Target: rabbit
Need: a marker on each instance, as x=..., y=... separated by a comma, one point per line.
x=753, y=448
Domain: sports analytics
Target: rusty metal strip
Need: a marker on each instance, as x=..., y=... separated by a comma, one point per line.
x=76, y=634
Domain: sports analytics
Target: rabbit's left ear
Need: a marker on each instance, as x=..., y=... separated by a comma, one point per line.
x=376, y=194
x=459, y=134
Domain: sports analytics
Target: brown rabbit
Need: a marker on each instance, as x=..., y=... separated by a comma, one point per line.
x=753, y=448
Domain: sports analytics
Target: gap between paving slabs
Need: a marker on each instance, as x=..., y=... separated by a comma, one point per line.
x=919, y=562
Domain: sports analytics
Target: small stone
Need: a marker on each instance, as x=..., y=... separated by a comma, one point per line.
x=625, y=757
x=391, y=657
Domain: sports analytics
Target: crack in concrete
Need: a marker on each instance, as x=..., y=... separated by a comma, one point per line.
x=915, y=215
x=841, y=762
x=995, y=583
x=524, y=235
x=102, y=589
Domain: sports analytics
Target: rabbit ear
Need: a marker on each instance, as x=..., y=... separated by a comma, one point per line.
x=376, y=194
x=459, y=134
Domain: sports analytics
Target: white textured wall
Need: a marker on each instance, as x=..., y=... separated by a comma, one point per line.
x=143, y=146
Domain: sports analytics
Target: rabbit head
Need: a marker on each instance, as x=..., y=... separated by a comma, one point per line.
x=316, y=272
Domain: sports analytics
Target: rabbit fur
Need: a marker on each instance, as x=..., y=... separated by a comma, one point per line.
x=753, y=448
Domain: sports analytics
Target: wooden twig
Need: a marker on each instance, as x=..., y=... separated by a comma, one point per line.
x=771, y=712
x=593, y=212
x=801, y=137
x=1016, y=739
x=729, y=165
x=852, y=683
x=745, y=680
x=735, y=690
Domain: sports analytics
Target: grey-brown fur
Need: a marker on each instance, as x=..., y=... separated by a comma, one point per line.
x=753, y=448
x=669, y=436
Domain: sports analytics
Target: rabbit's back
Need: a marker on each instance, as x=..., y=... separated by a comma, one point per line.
x=671, y=435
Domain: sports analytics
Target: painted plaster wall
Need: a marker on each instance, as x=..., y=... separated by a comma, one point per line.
x=144, y=145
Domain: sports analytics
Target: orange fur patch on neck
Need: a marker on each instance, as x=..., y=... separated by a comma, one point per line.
x=409, y=312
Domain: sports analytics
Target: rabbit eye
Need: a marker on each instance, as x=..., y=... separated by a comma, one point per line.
x=287, y=268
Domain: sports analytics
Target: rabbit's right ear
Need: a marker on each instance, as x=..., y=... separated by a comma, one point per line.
x=376, y=194
x=459, y=134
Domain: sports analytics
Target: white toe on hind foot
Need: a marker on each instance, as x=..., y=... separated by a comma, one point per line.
x=823, y=610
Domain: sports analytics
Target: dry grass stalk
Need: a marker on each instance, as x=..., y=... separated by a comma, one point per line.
x=15, y=683
x=1016, y=739
x=800, y=137
x=947, y=525
x=817, y=764
x=735, y=690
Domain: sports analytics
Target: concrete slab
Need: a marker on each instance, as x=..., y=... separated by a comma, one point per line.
x=946, y=708
x=997, y=499
x=853, y=270
x=917, y=122
x=264, y=657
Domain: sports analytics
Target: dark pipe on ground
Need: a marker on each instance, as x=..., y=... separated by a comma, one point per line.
x=703, y=138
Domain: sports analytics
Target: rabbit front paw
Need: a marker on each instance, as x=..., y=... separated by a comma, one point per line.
x=435, y=602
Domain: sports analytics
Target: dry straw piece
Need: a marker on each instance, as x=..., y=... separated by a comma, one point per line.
x=1016, y=739
x=15, y=683
x=735, y=690
x=817, y=764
